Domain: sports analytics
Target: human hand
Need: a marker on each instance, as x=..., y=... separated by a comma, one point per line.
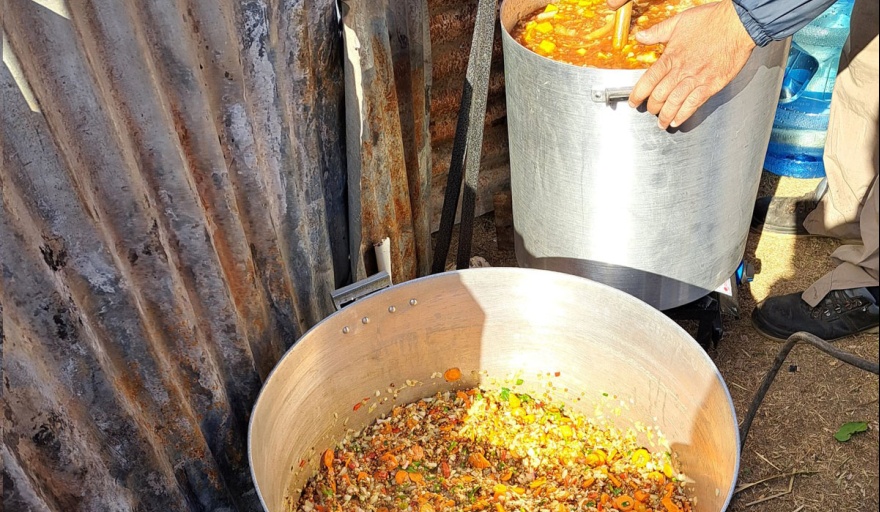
x=614, y=4
x=706, y=46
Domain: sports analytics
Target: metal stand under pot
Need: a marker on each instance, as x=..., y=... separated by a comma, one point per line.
x=709, y=309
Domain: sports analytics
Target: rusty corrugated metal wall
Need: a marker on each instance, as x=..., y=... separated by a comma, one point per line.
x=172, y=217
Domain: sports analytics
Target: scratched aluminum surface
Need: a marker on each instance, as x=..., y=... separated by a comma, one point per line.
x=172, y=218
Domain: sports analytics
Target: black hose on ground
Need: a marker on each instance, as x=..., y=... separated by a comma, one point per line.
x=793, y=340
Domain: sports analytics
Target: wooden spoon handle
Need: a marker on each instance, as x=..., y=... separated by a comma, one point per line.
x=622, y=19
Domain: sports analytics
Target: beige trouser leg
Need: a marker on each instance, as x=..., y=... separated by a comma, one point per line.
x=849, y=210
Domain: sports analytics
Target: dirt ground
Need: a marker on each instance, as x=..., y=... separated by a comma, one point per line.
x=791, y=461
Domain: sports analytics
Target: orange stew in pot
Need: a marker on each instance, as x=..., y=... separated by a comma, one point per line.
x=579, y=32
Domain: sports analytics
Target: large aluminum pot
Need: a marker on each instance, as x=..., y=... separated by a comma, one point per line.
x=601, y=192
x=501, y=320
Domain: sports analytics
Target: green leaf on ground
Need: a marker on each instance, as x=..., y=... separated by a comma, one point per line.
x=848, y=429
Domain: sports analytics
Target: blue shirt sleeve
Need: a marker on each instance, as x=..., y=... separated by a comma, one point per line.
x=773, y=20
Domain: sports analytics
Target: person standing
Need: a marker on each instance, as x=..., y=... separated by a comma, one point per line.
x=706, y=46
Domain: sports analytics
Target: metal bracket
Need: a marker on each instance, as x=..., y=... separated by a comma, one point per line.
x=611, y=94
x=350, y=293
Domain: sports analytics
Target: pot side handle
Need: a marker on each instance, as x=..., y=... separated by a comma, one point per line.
x=611, y=94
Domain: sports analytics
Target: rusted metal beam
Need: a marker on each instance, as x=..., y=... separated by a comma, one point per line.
x=410, y=41
x=386, y=109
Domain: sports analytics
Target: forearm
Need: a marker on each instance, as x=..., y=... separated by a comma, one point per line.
x=772, y=20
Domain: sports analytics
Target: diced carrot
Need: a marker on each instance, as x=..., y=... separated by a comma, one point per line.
x=641, y=495
x=417, y=478
x=614, y=480
x=327, y=459
x=668, y=503
x=538, y=482
x=401, y=477
x=624, y=502
x=479, y=505
x=478, y=461
x=452, y=374
x=390, y=460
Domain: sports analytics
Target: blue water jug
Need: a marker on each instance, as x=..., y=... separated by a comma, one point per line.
x=797, y=141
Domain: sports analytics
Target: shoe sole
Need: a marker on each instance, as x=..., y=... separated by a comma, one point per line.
x=870, y=330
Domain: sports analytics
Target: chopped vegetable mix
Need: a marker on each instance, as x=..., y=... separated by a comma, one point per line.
x=579, y=32
x=499, y=451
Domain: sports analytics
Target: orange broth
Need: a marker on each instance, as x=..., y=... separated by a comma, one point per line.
x=579, y=32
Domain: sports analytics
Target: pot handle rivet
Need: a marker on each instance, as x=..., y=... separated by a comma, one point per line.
x=345, y=330
x=365, y=320
x=392, y=309
x=413, y=302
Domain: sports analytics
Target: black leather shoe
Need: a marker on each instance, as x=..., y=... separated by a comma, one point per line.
x=841, y=313
x=783, y=215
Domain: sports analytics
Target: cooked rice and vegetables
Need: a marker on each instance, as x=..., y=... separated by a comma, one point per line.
x=579, y=32
x=494, y=450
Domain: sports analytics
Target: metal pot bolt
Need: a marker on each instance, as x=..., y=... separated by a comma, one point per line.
x=365, y=320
